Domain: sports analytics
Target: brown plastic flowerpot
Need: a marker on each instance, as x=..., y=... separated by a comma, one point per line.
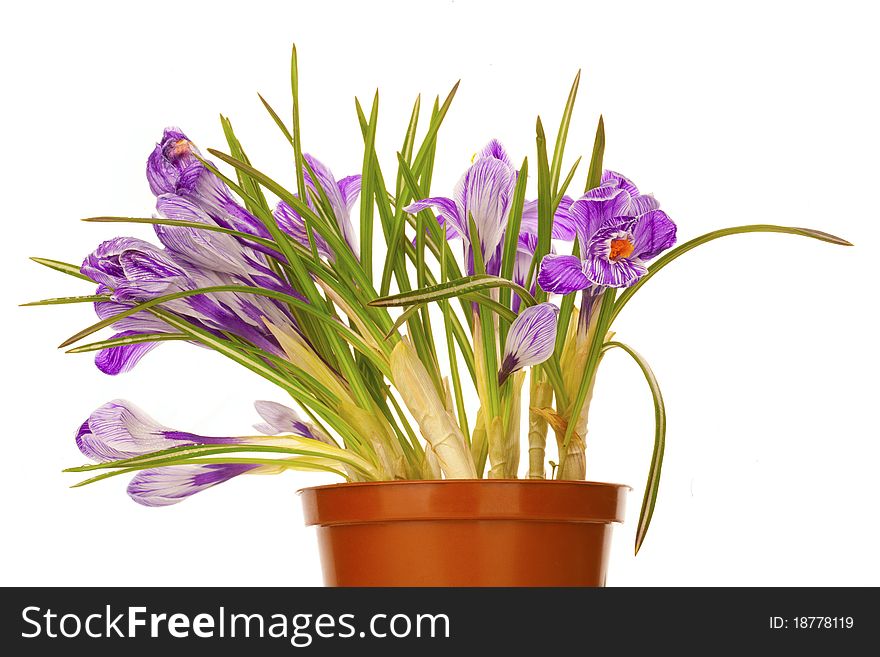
x=464, y=532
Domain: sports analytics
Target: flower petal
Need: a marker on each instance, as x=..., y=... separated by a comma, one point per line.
x=117, y=360
x=290, y=221
x=596, y=209
x=201, y=247
x=531, y=339
x=563, y=223
x=614, y=179
x=484, y=193
x=174, y=483
x=618, y=273
x=119, y=430
x=350, y=189
x=562, y=274
x=653, y=233
x=495, y=150
x=280, y=419
x=639, y=205
x=451, y=212
x=334, y=195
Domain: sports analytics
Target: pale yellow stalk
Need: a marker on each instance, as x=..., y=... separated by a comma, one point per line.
x=540, y=397
x=512, y=426
x=436, y=423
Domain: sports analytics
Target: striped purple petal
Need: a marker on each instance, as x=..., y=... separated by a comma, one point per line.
x=120, y=430
x=562, y=274
x=203, y=248
x=598, y=208
x=174, y=483
x=611, y=260
x=496, y=151
x=484, y=193
x=350, y=189
x=564, y=227
x=334, y=195
x=292, y=223
x=452, y=213
x=117, y=360
x=531, y=339
x=279, y=419
x=653, y=232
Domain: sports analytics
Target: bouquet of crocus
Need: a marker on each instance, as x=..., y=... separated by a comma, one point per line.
x=483, y=280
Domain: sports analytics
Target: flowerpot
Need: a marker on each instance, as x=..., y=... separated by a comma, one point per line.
x=464, y=532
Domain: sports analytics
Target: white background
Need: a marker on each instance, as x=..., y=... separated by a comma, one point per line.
x=765, y=344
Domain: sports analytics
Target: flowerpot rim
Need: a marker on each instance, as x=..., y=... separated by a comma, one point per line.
x=535, y=500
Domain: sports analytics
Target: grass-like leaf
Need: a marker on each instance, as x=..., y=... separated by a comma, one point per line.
x=681, y=249
x=651, y=488
x=456, y=288
x=129, y=339
x=63, y=267
x=90, y=298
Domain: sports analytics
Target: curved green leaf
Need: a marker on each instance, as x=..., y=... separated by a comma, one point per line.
x=129, y=339
x=63, y=267
x=90, y=298
x=456, y=288
x=653, y=484
x=327, y=320
x=661, y=262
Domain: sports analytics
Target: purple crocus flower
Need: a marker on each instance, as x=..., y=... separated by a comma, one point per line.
x=341, y=196
x=119, y=430
x=619, y=230
x=174, y=167
x=133, y=271
x=531, y=339
x=485, y=192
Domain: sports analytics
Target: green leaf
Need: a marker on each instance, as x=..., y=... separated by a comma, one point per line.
x=511, y=233
x=562, y=136
x=63, y=267
x=456, y=288
x=277, y=120
x=62, y=300
x=297, y=139
x=545, y=205
x=331, y=322
x=565, y=183
x=594, y=176
x=651, y=488
x=366, y=224
x=594, y=355
x=130, y=339
x=681, y=249
x=248, y=184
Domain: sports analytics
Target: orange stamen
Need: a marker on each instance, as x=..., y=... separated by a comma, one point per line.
x=621, y=248
x=178, y=148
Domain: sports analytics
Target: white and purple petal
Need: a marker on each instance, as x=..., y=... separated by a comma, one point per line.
x=350, y=189
x=598, y=208
x=333, y=192
x=174, y=483
x=653, y=233
x=564, y=227
x=120, y=430
x=496, y=151
x=117, y=360
x=531, y=339
x=562, y=274
x=484, y=193
x=279, y=419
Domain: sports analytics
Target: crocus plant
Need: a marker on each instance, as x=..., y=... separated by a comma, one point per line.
x=482, y=281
